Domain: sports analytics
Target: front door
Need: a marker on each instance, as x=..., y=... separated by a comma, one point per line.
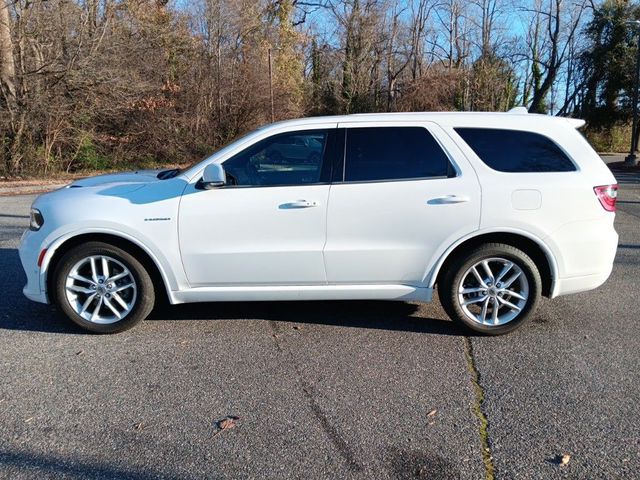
x=267, y=226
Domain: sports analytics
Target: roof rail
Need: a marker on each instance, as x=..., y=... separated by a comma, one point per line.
x=519, y=110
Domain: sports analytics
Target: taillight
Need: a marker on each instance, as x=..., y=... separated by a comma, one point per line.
x=607, y=194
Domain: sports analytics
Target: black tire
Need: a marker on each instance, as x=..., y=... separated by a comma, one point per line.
x=144, y=297
x=453, y=276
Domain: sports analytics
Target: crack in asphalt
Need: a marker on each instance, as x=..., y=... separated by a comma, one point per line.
x=338, y=442
x=478, y=410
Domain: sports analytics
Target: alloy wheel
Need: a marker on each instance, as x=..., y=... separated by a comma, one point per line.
x=101, y=289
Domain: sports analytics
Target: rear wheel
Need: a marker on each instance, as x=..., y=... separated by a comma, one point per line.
x=102, y=288
x=492, y=289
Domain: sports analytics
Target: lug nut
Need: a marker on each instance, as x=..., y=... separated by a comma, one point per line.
x=100, y=281
x=93, y=286
x=109, y=285
x=108, y=295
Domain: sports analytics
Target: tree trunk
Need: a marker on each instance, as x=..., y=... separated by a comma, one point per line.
x=7, y=65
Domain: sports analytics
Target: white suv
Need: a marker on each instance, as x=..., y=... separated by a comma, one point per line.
x=496, y=209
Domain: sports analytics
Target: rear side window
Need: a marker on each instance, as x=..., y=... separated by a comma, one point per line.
x=516, y=151
x=393, y=153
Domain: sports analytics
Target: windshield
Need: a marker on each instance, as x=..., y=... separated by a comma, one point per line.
x=192, y=169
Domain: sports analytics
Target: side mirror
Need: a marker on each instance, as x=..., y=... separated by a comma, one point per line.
x=213, y=176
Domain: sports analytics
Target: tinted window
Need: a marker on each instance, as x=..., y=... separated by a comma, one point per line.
x=391, y=153
x=293, y=158
x=516, y=151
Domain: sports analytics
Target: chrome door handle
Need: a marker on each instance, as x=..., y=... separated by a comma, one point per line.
x=299, y=204
x=448, y=199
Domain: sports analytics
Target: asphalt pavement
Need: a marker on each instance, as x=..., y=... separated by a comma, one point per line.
x=323, y=389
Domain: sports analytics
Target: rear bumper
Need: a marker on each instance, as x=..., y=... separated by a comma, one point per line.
x=566, y=286
x=588, y=256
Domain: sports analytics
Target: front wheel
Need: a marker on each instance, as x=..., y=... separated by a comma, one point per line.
x=102, y=288
x=492, y=289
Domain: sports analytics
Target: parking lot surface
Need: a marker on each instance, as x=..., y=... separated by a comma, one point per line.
x=324, y=389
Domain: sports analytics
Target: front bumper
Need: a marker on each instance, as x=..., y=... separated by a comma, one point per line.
x=29, y=250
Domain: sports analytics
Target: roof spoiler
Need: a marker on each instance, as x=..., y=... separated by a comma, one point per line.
x=576, y=122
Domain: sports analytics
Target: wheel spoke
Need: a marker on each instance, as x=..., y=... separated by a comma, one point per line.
x=122, y=303
x=509, y=304
x=471, y=301
x=80, y=278
x=466, y=291
x=504, y=271
x=487, y=269
x=118, y=276
x=94, y=271
x=511, y=293
x=79, y=289
x=475, y=273
x=87, y=302
x=512, y=279
x=105, y=267
x=483, y=315
x=494, y=313
x=122, y=287
x=112, y=308
x=96, y=312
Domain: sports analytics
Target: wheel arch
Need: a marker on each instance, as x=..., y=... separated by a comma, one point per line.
x=532, y=246
x=158, y=276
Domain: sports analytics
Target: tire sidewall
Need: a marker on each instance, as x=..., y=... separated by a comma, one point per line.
x=144, y=286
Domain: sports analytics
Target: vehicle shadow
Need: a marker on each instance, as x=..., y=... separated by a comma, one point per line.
x=19, y=313
x=372, y=314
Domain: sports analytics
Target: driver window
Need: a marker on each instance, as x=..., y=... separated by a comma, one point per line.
x=292, y=158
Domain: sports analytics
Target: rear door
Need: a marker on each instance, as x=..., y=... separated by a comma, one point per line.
x=402, y=195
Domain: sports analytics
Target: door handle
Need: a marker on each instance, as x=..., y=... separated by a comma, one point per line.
x=299, y=204
x=448, y=199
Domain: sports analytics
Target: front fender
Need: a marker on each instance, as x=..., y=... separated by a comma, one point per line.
x=172, y=273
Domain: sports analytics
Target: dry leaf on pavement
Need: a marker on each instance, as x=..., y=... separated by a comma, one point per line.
x=226, y=423
x=564, y=460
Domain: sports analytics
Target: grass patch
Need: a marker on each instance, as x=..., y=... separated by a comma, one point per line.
x=483, y=423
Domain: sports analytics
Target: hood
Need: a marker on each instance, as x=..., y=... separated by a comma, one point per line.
x=137, y=178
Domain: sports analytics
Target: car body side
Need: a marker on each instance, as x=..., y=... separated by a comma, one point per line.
x=559, y=212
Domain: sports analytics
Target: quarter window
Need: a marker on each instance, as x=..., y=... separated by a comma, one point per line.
x=293, y=158
x=393, y=153
x=516, y=151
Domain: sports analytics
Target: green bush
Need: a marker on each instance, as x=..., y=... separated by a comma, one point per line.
x=615, y=139
x=89, y=157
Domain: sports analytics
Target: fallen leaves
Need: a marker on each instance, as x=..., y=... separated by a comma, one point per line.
x=564, y=459
x=227, y=423
x=431, y=416
x=138, y=426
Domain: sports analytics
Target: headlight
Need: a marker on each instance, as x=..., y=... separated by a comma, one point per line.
x=36, y=220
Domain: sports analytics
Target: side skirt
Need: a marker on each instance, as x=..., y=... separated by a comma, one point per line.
x=302, y=292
